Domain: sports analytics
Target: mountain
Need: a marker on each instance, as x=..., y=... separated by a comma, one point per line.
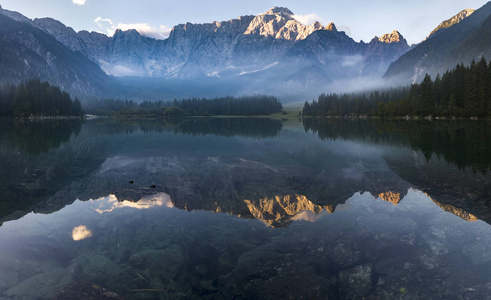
x=467, y=40
x=269, y=53
x=28, y=52
x=453, y=20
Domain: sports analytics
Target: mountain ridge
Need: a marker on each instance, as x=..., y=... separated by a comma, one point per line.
x=269, y=52
x=445, y=49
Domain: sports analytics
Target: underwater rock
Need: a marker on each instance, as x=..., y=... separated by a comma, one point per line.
x=357, y=281
x=43, y=286
x=478, y=253
x=96, y=268
x=87, y=291
x=167, y=263
x=436, y=239
x=8, y=279
x=344, y=253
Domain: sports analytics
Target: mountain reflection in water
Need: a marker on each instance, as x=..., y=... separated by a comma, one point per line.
x=248, y=209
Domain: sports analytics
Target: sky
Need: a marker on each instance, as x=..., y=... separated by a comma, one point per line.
x=360, y=19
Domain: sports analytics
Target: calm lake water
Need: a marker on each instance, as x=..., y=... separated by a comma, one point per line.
x=245, y=209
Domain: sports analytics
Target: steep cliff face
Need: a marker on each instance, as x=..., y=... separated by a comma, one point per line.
x=279, y=23
x=382, y=51
x=92, y=44
x=460, y=43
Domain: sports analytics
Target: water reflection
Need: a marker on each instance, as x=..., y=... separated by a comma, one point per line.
x=39, y=136
x=246, y=216
x=111, y=202
x=280, y=211
x=245, y=127
x=39, y=158
x=81, y=232
x=466, y=144
x=368, y=248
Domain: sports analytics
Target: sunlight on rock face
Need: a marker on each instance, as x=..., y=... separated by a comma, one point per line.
x=391, y=197
x=459, y=212
x=80, y=233
x=110, y=202
x=283, y=208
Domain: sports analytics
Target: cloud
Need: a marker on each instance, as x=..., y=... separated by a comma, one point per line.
x=345, y=28
x=79, y=2
x=80, y=233
x=307, y=19
x=147, y=30
x=111, y=202
x=144, y=29
x=105, y=24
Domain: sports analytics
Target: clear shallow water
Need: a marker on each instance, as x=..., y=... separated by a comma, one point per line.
x=251, y=209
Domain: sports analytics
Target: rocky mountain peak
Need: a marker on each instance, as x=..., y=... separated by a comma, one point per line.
x=453, y=20
x=279, y=23
x=393, y=37
x=279, y=11
x=331, y=27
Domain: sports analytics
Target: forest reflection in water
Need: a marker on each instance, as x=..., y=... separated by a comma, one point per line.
x=369, y=209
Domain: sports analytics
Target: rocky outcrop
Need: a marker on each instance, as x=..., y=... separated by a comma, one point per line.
x=453, y=20
x=279, y=23
x=382, y=51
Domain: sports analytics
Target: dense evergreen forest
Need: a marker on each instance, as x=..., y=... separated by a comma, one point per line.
x=36, y=98
x=245, y=106
x=461, y=92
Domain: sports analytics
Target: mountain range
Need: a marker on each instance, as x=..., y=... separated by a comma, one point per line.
x=269, y=53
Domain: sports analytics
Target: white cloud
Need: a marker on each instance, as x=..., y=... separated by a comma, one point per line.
x=345, y=28
x=144, y=29
x=106, y=25
x=307, y=19
x=79, y=2
x=80, y=233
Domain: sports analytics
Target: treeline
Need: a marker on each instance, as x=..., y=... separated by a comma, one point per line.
x=351, y=104
x=461, y=92
x=465, y=144
x=245, y=106
x=34, y=97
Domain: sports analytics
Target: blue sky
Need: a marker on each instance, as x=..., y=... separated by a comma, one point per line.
x=361, y=19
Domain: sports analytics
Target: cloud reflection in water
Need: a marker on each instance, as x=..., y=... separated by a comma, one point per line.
x=111, y=202
x=81, y=232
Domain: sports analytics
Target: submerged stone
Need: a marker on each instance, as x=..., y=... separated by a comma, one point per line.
x=96, y=268
x=357, y=281
x=42, y=286
x=88, y=291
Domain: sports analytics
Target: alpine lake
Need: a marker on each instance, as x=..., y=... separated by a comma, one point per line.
x=245, y=208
